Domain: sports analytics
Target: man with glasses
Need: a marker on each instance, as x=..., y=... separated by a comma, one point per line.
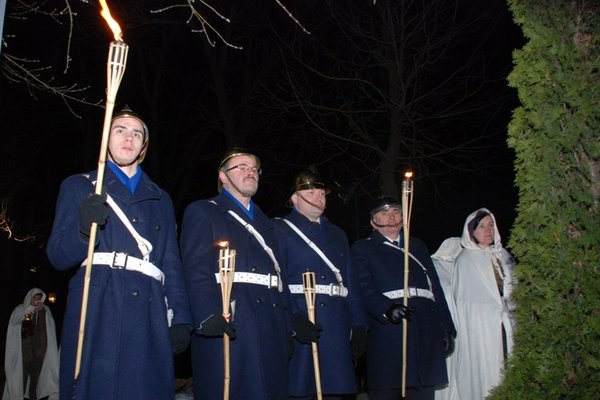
x=310, y=243
x=260, y=319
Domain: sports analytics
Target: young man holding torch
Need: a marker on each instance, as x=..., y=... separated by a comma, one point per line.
x=137, y=307
x=379, y=261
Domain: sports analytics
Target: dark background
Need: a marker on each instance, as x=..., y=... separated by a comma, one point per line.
x=46, y=137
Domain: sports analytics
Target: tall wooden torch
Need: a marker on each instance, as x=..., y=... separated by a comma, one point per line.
x=407, y=192
x=226, y=273
x=115, y=69
x=310, y=293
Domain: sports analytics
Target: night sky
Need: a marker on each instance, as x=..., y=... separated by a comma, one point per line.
x=200, y=100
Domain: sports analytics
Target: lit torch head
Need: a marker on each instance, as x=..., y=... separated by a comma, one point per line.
x=407, y=182
x=112, y=23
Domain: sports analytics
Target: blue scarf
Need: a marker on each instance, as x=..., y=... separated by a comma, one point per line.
x=130, y=183
x=248, y=211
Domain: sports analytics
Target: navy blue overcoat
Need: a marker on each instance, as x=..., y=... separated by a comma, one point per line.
x=259, y=353
x=127, y=352
x=380, y=268
x=336, y=315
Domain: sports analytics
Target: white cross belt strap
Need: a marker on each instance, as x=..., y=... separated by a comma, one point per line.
x=316, y=249
x=412, y=292
x=264, y=245
x=268, y=280
x=118, y=260
x=144, y=245
x=330, y=290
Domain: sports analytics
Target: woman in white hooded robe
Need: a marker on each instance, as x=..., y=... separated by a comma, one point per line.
x=482, y=281
x=443, y=260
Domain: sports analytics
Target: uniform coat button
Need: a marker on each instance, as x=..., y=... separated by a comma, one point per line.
x=134, y=220
x=253, y=269
x=135, y=293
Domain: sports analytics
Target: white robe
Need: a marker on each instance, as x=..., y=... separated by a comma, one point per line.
x=480, y=314
x=13, y=361
x=443, y=259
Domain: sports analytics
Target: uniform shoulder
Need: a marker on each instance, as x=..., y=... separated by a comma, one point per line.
x=362, y=243
x=83, y=183
x=81, y=178
x=418, y=244
x=279, y=223
x=202, y=204
x=337, y=229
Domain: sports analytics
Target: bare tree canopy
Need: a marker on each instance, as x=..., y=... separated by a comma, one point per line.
x=361, y=90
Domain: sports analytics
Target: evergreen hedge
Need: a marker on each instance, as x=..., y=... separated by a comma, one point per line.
x=556, y=236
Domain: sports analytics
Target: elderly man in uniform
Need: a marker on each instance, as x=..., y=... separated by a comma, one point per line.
x=260, y=322
x=310, y=243
x=379, y=262
x=137, y=310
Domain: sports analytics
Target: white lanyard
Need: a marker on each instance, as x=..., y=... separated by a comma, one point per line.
x=262, y=242
x=336, y=272
x=144, y=245
x=414, y=258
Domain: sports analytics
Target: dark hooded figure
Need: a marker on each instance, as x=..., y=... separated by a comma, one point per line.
x=31, y=358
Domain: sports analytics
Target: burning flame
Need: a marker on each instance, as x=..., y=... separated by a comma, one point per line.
x=114, y=25
x=223, y=244
x=408, y=174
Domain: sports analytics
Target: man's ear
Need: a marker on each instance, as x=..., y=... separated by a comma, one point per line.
x=294, y=199
x=372, y=224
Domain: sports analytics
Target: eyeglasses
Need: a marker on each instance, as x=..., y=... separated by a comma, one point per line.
x=245, y=169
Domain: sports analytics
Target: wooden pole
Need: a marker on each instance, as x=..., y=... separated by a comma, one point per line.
x=226, y=272
x=407, y=189
x=115, y=69
x=310, y=293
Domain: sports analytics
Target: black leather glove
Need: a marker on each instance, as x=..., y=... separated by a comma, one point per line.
x=396, y=312
x=216, y=326
x=180, y=337
x=448, y=343
x=358, y=339
x=304, y=330
x=93, y=208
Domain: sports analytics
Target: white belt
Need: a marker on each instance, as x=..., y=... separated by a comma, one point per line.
x=412, y=292
x=332, y=289
x=124, y=261
x=268, y=280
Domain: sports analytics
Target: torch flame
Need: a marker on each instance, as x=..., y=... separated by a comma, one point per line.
x=408, y=174
x=223, y=244
x=112, y=23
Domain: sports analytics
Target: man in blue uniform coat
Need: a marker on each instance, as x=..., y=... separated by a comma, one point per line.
x=130, y=335
x=309, y=242
x=379, y=262
x=260, y=311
